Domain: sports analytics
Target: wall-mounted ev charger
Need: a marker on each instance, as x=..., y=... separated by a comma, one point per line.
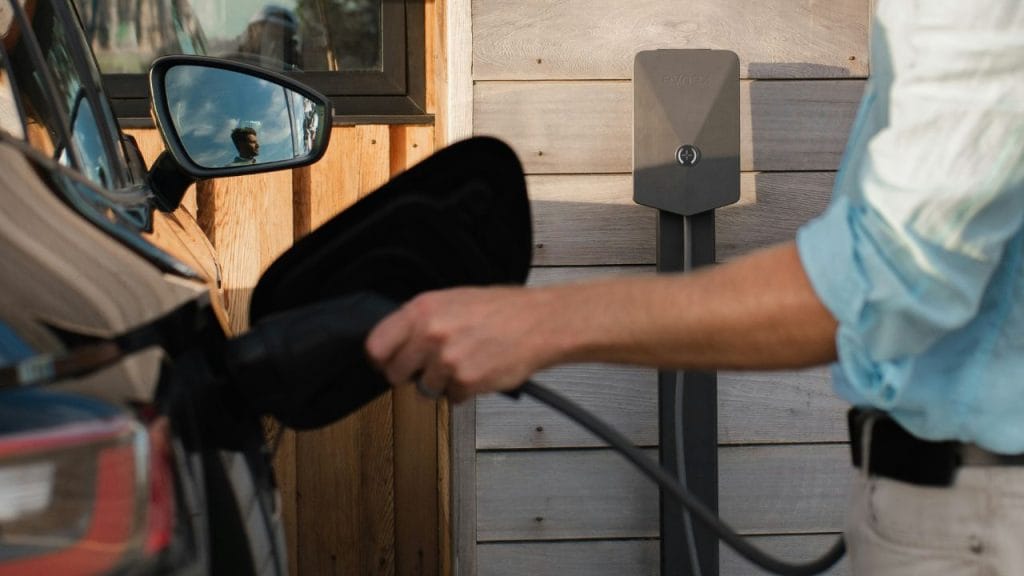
x=686, y=130
x=686, y=164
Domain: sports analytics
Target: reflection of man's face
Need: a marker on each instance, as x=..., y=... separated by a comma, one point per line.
x=249, y=147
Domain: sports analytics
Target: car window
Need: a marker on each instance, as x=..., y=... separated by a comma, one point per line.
x=58, y=105
x=86, y=133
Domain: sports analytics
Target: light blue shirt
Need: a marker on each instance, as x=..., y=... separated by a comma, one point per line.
x=919, y=254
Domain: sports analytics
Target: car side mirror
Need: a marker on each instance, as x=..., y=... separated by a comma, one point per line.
x=224, y=118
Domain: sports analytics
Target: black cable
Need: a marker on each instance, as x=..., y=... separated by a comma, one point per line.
x=691, y=539
x=669, y=484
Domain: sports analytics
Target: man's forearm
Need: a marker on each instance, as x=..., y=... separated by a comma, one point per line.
x=759, y=312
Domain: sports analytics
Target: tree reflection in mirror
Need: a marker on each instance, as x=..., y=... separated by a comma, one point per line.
x=225, y=118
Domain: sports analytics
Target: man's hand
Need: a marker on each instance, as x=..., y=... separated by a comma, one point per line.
x=465, y=341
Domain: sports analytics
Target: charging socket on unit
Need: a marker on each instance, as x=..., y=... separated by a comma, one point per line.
x=686, y=130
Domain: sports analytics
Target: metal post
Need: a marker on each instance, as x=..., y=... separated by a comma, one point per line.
x=684, y=243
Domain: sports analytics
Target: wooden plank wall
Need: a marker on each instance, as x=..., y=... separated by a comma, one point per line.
x=360, y=496
x=552, y=78
x=367, y=495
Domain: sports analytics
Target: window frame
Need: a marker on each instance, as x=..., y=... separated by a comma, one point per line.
x=394, y=94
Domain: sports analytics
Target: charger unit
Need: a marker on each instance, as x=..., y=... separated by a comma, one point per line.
x=686, y=130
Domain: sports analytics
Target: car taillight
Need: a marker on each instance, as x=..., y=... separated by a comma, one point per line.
x=82, y=490
x=160, y=516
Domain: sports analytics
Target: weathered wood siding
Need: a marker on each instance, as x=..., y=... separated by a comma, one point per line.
x=552, y=78
x=367, y=495
x=360, y=496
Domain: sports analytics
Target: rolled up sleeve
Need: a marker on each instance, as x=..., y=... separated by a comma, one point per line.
x=904, y=254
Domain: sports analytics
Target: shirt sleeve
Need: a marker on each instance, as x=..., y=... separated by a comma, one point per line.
x=905, y=257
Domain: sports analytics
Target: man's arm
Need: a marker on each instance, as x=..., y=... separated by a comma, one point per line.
x=758, y=312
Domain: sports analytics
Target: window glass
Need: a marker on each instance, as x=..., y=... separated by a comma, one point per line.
x=86, y=134
x=313, y=35
x=39, y=99
x=127, y=35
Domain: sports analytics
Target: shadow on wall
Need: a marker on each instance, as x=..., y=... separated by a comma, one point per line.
x=800, y=125
x=796, y=70
x=771, y=208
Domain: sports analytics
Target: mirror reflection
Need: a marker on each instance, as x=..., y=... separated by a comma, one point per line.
x=228, y=119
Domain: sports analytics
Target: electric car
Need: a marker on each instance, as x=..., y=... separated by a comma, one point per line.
x=121, y=448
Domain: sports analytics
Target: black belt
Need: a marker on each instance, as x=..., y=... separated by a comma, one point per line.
x=898, y=454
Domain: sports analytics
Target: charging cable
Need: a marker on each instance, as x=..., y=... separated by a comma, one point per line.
x=691, y=539
x=304, y=346
x=621, y=444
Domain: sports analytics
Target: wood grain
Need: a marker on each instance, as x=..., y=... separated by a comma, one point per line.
x=434, y=56
x=563, y=127
x=345, y=471
x=249, y=221
x=350, y=468
x=541, y=276
x=456, y=425
x=458, y=114
x=345, y=495
x=590, y=558
x=415, y=421
x=356, y=162
x=636, y=557
x=754, y=408
x=445, y=506
x=586, y=494
x=592, y=219
x=596, y=39
x=551, y=78
x=464, y=488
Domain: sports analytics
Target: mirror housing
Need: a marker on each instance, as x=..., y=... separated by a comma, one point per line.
x=223, y=118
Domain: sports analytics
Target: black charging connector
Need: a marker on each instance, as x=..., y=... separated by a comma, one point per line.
x=306, y=366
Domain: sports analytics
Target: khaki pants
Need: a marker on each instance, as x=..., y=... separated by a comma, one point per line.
x=974, y=527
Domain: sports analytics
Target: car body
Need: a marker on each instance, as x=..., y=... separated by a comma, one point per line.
x=121, y=451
